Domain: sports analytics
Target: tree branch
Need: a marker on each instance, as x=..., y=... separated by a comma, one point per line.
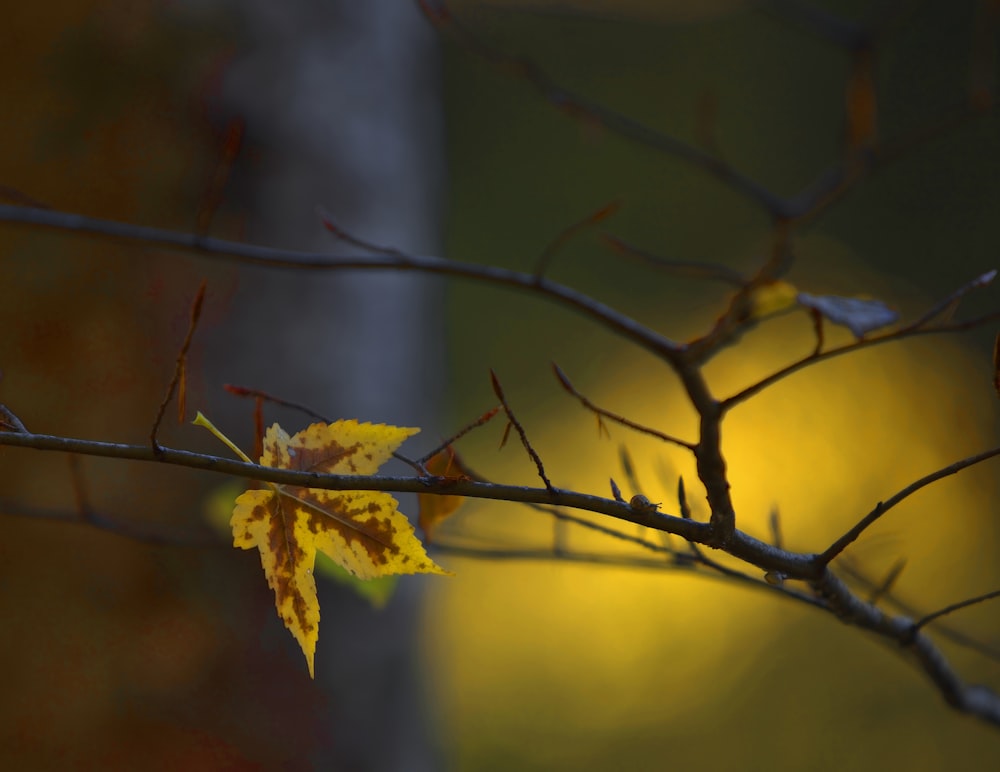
x=299, y=260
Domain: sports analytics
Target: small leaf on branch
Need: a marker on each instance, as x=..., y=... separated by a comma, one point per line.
x=772, y=297
x=361, y=531
x=859, y=315
x=433, y=508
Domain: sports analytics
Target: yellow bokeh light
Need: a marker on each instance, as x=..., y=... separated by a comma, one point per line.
x=524, y=650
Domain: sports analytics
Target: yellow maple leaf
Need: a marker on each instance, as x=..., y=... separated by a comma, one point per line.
x=362, y=531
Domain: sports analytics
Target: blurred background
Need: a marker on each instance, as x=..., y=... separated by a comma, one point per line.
x=239, y=119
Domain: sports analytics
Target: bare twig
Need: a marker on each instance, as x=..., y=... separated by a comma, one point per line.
x=581, y=109
x=954, y=607
x=947, y=306
x=740, y=314
x=685, y=268
x=18, y=197
x=622, y=561
x=483, y=419
x=834, y=184
x=567, y=234
x=243, y=391
x=231, y=145
x=777, y=539
x=628, y=469
x=882, y=507
x=348, y=238
x=817, y=322
x=885, y=586
x=618, y=419
x=498, y=390
x=847, y=567
x=682, y=503
x=9, y=422
x=816, y=357
x=179, y=369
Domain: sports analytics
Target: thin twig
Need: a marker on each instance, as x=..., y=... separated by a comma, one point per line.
x=9, y=422
x=846, y=566
x=498, y=390
x=622, y=561
x=567, y=234
x=588, y=112
x=618, y=419
x=777, y=539
x=483, y=419
x=613, y=533
x=817, y=323
x=147, y=533
x=740, y=314
x=847, y=348
x=682, y=503
x=231, y=145
x=950, y=303
x=628, y=469
x=178, y=376
x=882, y=507
x=243, y=391
x=885, y=586
x=18, y=197
x=686, y=268
x=355, y=241
x=955, y=607
x=835, y=183
x=263, y=396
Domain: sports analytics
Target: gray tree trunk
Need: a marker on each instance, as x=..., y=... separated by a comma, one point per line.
x=342, y=103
